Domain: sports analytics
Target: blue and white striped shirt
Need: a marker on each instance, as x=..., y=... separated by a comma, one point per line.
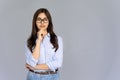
x=47, y=54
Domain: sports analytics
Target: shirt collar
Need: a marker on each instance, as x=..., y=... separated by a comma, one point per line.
x=48, y=35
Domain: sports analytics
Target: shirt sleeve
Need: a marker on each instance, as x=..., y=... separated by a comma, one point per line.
x=57, y=60
x=29, y=58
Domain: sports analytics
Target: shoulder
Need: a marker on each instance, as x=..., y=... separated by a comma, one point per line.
x=25, y=44
x=60, y=40
x=59, y=37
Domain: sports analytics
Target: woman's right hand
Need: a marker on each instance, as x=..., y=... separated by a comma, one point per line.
x=40, y=35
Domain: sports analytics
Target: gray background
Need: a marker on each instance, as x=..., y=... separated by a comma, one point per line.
x=90, y=30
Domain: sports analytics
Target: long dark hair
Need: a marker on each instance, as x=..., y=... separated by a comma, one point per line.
x=32, y=39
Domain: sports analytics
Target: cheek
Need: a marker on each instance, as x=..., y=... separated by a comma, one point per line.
x=37, y=24
x=47, y=25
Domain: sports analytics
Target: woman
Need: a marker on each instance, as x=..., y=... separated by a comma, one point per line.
x=44, y=49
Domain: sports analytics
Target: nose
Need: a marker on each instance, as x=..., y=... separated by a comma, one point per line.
x=42, y=22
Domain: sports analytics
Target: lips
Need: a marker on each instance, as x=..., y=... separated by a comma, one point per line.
x=42, y=26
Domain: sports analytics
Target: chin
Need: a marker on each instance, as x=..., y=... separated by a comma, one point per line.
x=44, y=28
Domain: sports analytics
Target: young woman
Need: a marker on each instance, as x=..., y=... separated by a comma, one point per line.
x=44, y=49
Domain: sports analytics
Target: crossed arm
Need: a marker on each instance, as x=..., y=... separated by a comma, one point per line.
x=36, y=55
x=38, y=67
x=32, y=59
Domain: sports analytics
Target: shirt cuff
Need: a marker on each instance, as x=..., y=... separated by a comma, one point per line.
x=31, y=61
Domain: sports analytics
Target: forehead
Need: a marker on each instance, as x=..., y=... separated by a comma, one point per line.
x=42, y=15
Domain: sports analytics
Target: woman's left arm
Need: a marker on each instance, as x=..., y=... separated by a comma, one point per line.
x=38, y=67
x=57, y=60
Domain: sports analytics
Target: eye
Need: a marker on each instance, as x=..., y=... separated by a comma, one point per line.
x=39, y=19
x=45, y=19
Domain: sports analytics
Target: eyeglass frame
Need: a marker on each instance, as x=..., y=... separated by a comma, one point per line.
x=44, y=20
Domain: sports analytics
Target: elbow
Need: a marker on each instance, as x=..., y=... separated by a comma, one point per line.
x=59, y=65
x=33, y=64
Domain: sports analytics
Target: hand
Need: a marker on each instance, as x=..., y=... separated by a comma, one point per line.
x=40, y=35
x=29, y=67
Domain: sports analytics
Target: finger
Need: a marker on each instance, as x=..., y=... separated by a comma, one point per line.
x=42, y=34
x=26, y=65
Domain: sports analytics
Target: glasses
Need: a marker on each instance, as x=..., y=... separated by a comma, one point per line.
x=44, y=20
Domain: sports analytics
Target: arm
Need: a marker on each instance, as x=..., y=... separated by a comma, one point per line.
x=36, y=55
x=36, y=51
x=42, y=66
x=38, y=67
x=29, y=57
x=57, y=60
x=32, y=57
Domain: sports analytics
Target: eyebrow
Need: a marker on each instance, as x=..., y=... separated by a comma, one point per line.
x=41, y=18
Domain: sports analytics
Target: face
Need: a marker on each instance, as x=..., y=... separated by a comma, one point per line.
x=42, y=21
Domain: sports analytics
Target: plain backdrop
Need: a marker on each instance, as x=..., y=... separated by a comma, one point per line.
x=90, y=30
